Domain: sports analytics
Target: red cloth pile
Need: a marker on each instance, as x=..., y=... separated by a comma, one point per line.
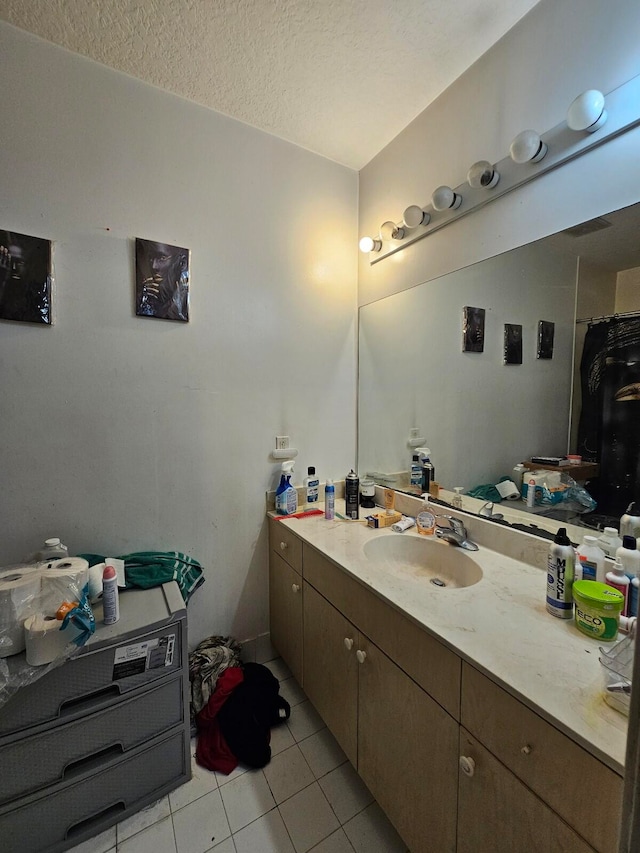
x=212, y=750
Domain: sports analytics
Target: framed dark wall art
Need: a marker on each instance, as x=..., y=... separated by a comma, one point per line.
x=162, y=280
x=545, y=339
x=25, y=278
x=473, y=329
x=512, y=343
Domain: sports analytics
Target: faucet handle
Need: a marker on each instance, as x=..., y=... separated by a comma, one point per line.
x=451, y=524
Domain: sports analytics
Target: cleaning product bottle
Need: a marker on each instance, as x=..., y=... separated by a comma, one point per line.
x=617, y=579
x=517, y=474
x=311, y=489
x=351, y=491
x=531, y=492
x=560, y=574
x=53, y=549
x=286, y=495
x=415, y=472
x=629, y=558
x=609, y=541
x=630, y=521
x=427, y=471
x=426, y=520
x=591, y=560
x=329, y=500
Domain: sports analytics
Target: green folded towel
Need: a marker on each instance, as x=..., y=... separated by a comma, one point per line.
x=145, y=569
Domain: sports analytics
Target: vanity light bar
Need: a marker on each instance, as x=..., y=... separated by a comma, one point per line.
x=588, y=126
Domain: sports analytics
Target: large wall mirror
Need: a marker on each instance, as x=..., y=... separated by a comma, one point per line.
x=479, y=415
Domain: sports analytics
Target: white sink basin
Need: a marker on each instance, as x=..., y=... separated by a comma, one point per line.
x=445, y=566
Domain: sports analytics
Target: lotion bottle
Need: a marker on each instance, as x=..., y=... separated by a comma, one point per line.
x=629, y=558
x=311, y=489
x=617, y=579
x=591, y=559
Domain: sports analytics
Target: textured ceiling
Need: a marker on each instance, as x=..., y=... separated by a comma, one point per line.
x=339, y=77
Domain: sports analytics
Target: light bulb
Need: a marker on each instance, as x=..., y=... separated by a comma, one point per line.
x=527, y=147
x=414, y=216
x=587, y=112
x=444, y=198
x=390, y=231
x=482, y=175
x=368, y=244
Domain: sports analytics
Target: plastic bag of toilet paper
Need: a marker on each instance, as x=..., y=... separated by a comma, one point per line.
x=556, y=487
x=45, y=617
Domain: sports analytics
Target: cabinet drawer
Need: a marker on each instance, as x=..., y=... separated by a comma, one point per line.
x=92, y=678
x=67, y=815
x=60, y=753
x=562, y=773
x=286, y=544
x=434, y=667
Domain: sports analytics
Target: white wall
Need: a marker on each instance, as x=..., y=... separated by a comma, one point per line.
x=121, y=433
x=628, y=290
x=527, y=80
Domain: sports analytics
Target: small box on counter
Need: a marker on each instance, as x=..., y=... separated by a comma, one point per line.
x=382, y=519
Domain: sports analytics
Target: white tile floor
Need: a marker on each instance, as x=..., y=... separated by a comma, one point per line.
x=308, y=798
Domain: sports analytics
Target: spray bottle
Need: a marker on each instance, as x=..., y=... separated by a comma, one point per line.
x=560, y=573
x=351, y=493
x=286, y=495
x=329, y=500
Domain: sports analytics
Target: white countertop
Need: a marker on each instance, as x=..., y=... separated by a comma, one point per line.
x=499, y=625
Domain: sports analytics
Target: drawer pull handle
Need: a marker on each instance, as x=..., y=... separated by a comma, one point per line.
x=526, y=749
x=295, y=587
x=467, y=765
x=283, y=546
x=348, y=642
x=361, y=655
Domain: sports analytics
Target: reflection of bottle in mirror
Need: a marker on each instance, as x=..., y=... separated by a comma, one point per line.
x=517, y=474
x=531, y=492
x=457, y=498
x=415, y=472
x=630, y=521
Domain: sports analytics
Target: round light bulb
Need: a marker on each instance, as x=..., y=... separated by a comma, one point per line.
x=482, y=175
x=414, y=216
x=587, y=112
x=527, y=147
x=444, y=198
x=390, y=231
x=368, y=244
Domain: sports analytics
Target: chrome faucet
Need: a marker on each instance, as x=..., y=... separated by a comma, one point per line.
x=453, y=531
x=487, y=510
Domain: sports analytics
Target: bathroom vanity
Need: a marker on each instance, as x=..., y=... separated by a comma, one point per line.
x=474, y=717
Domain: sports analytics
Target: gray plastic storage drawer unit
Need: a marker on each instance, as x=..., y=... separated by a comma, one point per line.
x=103, y=735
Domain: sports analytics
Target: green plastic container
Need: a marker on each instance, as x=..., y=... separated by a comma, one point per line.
x=598, y=609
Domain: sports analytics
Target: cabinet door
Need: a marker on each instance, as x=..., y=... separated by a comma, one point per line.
x=285, y=609
x=497, y=812
x=331, y=669
x=407, y=753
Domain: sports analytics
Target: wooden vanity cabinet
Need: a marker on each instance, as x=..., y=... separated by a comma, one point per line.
x=285, y=596
x=497, y=812
x=456, y=762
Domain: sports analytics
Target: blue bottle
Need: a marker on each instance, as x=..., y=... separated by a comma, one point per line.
x=286, y=495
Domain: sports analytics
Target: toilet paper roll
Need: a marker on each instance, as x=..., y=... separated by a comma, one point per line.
x=64, y=581
x=19, y=597
x=95, y=581
x=44, y=641
x=508, y=490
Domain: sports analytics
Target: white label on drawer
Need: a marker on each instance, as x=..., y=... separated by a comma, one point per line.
x=139, y=657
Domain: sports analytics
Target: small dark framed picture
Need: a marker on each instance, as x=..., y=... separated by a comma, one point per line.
x=25, y=278
x=162, y=280
x=473, y=329
x=512, y=343
x=545, y=339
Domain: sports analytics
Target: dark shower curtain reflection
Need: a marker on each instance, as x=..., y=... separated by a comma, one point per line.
x=609, y=430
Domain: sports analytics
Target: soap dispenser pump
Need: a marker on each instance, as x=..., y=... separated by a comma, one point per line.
x=286, y=495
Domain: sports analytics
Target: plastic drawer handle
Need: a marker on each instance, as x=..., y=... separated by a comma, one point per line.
x=467, y=765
